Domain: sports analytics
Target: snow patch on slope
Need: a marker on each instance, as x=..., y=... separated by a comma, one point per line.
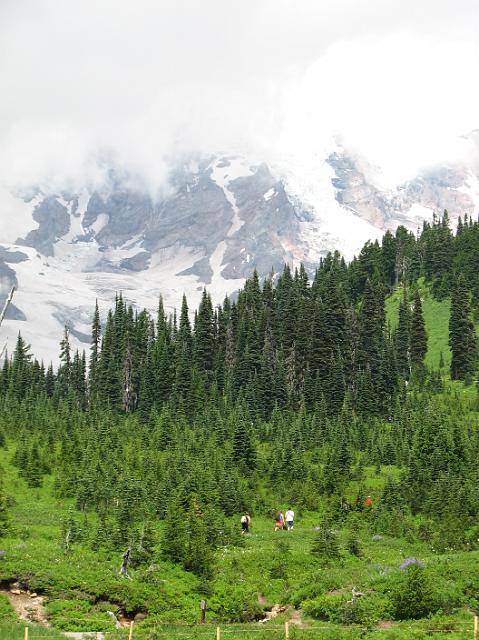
x=471, y=188
x=328, y=225
x=222, y=173
x=83, y=200
x=51, y=290
x=76, y=228
x=16, y=215
x=418, y=213
x=100, y=222
x=41, y=288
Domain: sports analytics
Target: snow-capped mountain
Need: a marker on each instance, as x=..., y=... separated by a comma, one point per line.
x=221, y=217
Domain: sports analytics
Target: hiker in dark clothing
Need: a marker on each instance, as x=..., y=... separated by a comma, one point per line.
x=245, y=522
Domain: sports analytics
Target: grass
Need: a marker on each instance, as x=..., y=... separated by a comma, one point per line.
x=432, y=629
x=16, y=632
x=436, y=318
x=81, y=587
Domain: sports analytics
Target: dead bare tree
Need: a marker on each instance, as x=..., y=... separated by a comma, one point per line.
x=124, y=565
x=2, y=316
x=128, y=396
x=356, y=595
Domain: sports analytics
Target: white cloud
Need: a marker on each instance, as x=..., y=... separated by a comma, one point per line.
x=141, y=81
x=403, y=100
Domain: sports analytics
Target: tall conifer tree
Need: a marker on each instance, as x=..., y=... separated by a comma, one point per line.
x=402, y=337
x=418, y=335
x=462, y=337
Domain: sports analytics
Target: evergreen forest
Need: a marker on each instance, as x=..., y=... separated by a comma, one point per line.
x=309, y=391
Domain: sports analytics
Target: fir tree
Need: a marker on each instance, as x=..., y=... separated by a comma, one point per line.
x=402, y=337
x=175, y=534
x=244, y=452
x=198, y=555
x=462, y=337
x=65, y=370
x=94, y=352
x=417, y=336
x=325, y=544
x=4, y=518
x=19, y=373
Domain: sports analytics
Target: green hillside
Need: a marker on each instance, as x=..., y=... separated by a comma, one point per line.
x=261, y=569
x=436, y=317
x=293, y=395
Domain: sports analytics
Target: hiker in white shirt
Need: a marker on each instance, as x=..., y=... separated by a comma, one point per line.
x=289, y=516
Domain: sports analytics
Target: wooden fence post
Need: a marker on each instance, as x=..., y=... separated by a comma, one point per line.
x=130, y=635
x=218, y=633
x=476, y=626
x=203, y=611
x=286, y=630
x=26, y=633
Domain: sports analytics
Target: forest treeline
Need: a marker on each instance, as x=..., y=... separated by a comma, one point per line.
x=286, y=392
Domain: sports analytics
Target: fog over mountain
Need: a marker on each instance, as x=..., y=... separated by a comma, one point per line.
x=163, y=147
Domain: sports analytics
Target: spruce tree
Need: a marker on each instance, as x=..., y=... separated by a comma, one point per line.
x=325, y=544
x=371, y=328
x=199, y=553
x=418, y=335
x=19, y=373
x=109, y=371
x=174, y=534
x=4, y=519
x=244, y=451
x=50, y=381
x=402, y=335
x=65, y=370
x=462, y=336
x=94, y=352
x=204, y=335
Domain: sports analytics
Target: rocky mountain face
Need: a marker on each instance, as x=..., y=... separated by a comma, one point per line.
x=220, y=218
x=454, y=188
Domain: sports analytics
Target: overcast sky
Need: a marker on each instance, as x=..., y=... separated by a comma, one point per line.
x=142, y=81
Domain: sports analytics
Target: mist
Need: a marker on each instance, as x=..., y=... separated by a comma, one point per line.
x=91, y=85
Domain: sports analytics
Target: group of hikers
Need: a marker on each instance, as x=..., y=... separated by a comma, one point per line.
x=286, y=521
x=281, y=521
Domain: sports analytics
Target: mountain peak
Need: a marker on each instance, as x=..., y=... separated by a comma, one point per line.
x=220, y=217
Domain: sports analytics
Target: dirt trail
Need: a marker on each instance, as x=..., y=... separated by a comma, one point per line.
x=296, y=618
x=274, y=610
x=29, y=607
x=385, y=624
x=82, y=635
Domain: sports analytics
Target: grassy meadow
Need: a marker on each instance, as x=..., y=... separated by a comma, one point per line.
x=265, y=568
x=260, y=570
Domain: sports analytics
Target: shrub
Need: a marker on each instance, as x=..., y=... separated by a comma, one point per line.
x=449, y=535
x=325, y=544
x=366, y=610
x=235, y=603
x=353, y=544
x=279, y=566
x=340, y=609
x=326, y=607
x=414, y=596
x=7, y=614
